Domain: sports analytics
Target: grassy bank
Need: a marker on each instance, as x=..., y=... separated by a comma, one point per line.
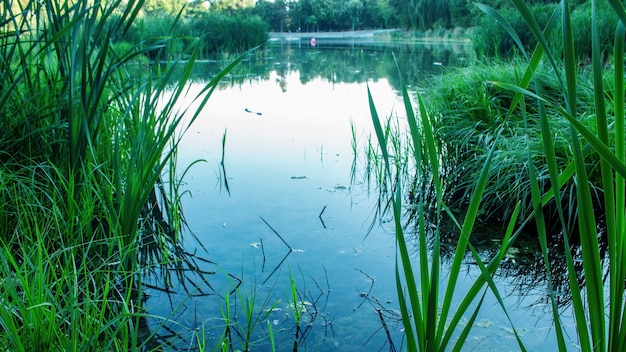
x=539, y=139
x=88, y=186
x=470, y=115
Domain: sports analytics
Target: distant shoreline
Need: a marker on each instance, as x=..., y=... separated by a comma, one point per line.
x=456, y=36
x=333, y=35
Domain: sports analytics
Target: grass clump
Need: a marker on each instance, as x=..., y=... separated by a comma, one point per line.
x=549, y=101
x=469, y=113
x=88, y=184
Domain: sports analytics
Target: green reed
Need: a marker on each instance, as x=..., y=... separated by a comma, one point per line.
x=88, y=183
x=429, y=324
x=541, y=113
x=600, y=327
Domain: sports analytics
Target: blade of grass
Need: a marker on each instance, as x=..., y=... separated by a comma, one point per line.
x=617, y=328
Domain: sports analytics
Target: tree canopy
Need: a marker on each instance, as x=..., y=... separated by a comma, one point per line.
x=337, y=15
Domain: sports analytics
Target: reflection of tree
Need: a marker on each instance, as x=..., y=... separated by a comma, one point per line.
x=341, y=61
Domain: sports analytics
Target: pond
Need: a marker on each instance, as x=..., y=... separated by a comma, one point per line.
x=283, y=200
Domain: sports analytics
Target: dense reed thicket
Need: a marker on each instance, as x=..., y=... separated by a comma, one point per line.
x=548, y=125
x=470, y=115
x=88, y=184
x=490, y=39
x=211, y=32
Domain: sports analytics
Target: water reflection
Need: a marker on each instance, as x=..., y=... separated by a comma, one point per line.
x=339, y=61
x=280, y=136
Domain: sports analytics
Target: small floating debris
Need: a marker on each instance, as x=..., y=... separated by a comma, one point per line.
x=255, y=244
x=337, y=188
x=301, y=306
x=437, y=63
x=298, y=177
x=252, y=112
x=298, y=250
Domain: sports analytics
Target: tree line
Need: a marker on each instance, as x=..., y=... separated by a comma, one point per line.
x=336, y=15
x=339, y=15
x=237, y=25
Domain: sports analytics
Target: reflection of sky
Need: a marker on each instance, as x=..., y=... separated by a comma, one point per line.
x=301, y=132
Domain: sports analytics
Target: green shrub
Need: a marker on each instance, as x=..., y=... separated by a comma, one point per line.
x=214, y=32
x=89, y=200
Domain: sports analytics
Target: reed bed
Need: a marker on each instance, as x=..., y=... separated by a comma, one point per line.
x=580, y=187
x=88, y=185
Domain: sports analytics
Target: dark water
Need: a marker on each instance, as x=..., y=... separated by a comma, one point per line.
x=293, y=116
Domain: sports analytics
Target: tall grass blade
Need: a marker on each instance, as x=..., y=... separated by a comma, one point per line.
x=430, y=285
x=380, y=134
x=529, y=18
x=595, y=289
x=443, y=333
x=543, y=242
x=619, y=10
x=617, y=262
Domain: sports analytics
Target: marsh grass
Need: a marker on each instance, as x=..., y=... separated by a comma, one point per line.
x=428, y=322
x=600, y=326
x=256, y=317
x=244, y=316
x=569, y=147
x=88, y=185
x=469, y=113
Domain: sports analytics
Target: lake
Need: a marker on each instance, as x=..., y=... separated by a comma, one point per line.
x=284, y=195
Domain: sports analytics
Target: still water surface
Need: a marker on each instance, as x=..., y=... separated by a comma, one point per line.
x=290, y=115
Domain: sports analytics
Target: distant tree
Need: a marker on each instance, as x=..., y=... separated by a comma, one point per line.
x=265, y=10
x=273, y=13
x=230, y=5
x=311, y=23
x=353, y=10
x=402, y=10
x=460, y=13
x=373, y=15
x=325, y=12
x=162, y=7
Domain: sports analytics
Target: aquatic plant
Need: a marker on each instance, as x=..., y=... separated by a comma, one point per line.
x=591, y=170
x=89, y=185
x=599, y=326
x=468, y=114
x=239, y=328
x=428, y=322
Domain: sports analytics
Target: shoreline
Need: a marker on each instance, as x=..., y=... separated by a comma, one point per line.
x=456, y=36
x=368, y=33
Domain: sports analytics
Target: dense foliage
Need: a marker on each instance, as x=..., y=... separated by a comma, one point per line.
x=212, y=32
x=332, y=15
x=543, y=135
x=88, y=186
x=490, y=38
x=237, y=25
